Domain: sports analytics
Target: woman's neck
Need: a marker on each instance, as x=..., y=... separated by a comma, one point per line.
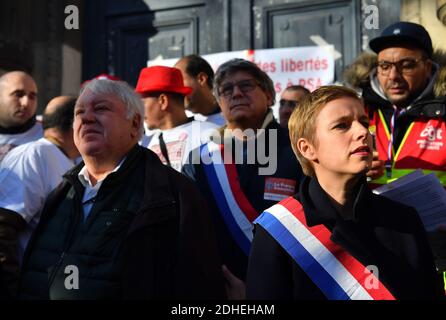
x=341, y=191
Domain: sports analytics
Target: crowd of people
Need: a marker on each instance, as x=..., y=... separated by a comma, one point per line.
x=187, y=187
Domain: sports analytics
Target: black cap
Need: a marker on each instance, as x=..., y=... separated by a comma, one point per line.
x=403, y=32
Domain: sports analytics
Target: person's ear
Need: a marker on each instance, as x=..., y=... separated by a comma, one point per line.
x=163, y=100
x=269, y=98
x=136, y=124
x=202, y=79
x=428, y=64
x=306, y=149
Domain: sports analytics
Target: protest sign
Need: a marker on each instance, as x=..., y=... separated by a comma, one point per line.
x=310, y=67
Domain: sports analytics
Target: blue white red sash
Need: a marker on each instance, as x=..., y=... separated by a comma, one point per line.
x=337, y=273
x=235, y=208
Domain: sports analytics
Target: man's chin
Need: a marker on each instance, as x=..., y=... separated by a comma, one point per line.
x=399, y=99
x=19, y=121
x=91, y=150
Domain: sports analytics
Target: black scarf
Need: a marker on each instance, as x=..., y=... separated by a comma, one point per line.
x=19, y=129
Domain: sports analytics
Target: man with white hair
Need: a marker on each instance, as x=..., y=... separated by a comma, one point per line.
x=124, y=225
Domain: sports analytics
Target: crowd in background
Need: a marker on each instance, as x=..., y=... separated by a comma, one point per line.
x=120, y=194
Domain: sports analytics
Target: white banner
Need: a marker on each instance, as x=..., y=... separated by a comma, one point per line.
x=310, y=67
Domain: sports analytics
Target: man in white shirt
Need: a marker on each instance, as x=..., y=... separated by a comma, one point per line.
x=18, y=104
x=198, y=74
x=27, y=176
x=163, y=95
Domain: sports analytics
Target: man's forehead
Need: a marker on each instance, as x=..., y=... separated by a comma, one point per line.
x=91, y=97
x=19, y=81
x=293, y=94
x=236, y=75
x=400, y=52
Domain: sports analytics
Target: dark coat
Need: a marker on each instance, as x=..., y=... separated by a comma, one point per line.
x=382, y=232
x=253, y=186
x=169, y=249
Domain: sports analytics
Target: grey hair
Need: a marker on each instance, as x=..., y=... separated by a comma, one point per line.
x=235, y=65
x=124, y=92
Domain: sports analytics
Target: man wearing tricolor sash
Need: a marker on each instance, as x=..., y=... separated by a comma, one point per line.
x=335, y=239
x=249, y=166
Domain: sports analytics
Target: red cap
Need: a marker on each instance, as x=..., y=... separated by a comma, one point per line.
x=161, y=79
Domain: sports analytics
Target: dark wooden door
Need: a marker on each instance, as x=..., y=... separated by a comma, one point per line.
x=120, y=36
x=310, y=23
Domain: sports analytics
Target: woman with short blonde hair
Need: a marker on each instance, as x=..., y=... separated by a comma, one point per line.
x=336, y=239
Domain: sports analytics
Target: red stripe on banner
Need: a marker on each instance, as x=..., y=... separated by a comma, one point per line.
x=356, y=268
x=239, y=196
x=250, y=55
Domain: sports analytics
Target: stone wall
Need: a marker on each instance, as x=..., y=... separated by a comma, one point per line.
x=426, y=13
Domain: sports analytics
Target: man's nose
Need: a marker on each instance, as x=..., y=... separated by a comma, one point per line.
x=25, y=101
x=88, y=116
x=236, y=91
x=394, y=73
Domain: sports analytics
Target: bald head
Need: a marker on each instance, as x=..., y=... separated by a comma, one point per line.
x=59, y=113
x=18, y=99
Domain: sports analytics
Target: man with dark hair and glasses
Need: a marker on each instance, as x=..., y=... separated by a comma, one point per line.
x=289, y=99
x=237, y=188
x=407, y=119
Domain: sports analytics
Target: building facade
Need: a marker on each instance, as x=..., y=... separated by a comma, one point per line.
x=119, y=37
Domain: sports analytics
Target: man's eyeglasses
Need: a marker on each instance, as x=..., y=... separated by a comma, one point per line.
x=244, y=86
x=404, y=66
x=288, y=103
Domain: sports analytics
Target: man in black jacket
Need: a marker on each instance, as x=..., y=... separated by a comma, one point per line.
x=248, y=177
x=121, y=225
x=406, y=117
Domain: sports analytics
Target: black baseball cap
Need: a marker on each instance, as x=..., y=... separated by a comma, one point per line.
x=403, y=32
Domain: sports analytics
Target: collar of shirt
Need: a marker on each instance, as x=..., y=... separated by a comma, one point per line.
x=319, y=209
x=269, y=117
x=90, y=190
x=84, y=176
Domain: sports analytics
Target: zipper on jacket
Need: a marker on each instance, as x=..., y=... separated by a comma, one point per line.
x=79, y=212
x=55, y=269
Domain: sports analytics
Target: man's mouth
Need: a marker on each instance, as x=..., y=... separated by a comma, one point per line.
x=20, y=114
x=238, y=105
x=398, y=89
x=89, y=131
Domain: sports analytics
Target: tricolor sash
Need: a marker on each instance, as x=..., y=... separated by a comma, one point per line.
x=338, y=274
x=234, y=207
